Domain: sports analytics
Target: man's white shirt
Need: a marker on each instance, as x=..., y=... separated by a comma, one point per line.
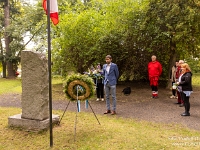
x=108, y=67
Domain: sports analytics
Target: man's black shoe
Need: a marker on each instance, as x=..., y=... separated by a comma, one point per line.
x=185, y=114
x=177, y=103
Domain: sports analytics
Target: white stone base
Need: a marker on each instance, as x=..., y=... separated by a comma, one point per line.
x=32, y=125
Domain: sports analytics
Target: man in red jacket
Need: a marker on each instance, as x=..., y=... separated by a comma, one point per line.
x=154, y=71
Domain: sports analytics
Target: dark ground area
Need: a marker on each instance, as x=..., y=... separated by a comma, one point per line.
x=138, y=105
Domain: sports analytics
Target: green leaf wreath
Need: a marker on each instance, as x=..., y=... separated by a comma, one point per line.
x=86, y=87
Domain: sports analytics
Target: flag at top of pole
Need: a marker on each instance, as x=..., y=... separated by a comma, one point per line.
x=53, y=10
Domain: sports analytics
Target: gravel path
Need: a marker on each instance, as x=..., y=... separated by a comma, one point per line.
x=139, y=105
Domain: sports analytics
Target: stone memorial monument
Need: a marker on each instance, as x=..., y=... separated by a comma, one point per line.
x=35, y=94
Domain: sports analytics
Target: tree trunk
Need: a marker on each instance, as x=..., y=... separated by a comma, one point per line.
x=172, y=61
x=3, y=59
x=11, y=72
x=4, y=69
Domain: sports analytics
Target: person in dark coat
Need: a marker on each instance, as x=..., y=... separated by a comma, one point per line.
x=99, y=84
x=185, y=87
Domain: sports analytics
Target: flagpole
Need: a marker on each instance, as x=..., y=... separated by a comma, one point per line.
x=49, y=68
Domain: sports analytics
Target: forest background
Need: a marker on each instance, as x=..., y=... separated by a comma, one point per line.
x=131, y=31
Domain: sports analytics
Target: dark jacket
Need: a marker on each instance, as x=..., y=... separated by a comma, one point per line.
x=98, y=80
x=186, y=81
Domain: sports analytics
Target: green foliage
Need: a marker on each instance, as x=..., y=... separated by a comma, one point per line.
x=173, y=31
x=28, y=21
x=77, y=41
x=194, y=64
x=91, y=32
x=84, y=78
x=24, y=20
x=129, y=30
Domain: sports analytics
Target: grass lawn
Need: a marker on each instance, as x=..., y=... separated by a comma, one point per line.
x=14, y=86
x=10, y=86
x=113, y=134
x=196, y=79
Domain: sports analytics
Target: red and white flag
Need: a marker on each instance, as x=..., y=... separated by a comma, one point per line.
x=53, y=10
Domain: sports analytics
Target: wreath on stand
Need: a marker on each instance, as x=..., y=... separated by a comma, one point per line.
x=81, y=84
x=79, y=87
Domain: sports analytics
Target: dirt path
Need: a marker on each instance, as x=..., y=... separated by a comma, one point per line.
x=139, y=105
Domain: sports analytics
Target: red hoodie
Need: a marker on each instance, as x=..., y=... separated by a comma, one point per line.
x=154, y=69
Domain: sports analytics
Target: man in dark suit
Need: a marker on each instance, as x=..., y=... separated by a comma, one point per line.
x=111, y=74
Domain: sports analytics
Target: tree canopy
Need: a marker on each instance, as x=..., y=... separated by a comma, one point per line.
x=129, y=30
x=17, y=19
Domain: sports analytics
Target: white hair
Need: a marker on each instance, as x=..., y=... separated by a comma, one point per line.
x=153, y=56
x=181, y=62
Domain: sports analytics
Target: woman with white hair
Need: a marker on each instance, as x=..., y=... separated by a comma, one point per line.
x=154, y=71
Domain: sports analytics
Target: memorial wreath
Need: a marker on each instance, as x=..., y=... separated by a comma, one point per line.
x=79, y=87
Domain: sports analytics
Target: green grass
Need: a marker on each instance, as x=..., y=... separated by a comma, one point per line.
x=113, y=134
x=10, y=86
x=196, y=80
x=57, y=80
x=57, y=88
x=14, y=86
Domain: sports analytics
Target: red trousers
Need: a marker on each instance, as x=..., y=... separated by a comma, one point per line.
x=153, y=81
x=179, y=98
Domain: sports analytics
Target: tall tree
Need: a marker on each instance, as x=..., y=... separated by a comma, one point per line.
x=2, y=51
x=27, y=19
x=174, y=26
x=2, y=57
x=89, y=32
x=131, y=31
x=11, y=73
